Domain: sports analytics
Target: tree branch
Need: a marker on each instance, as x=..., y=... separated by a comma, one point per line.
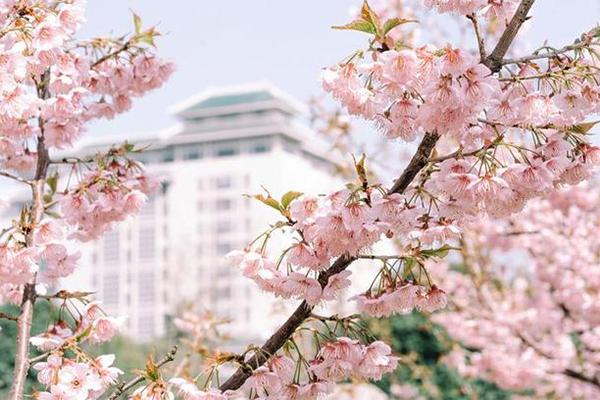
x=581, y=377
x=479, y=36
x=494, y=60
x=29, y=294
x=551, y=52
x=125, y=386
x=278, y=339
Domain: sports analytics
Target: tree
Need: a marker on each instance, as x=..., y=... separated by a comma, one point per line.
x=494, y=132
x=52, y=84
x=534, y=328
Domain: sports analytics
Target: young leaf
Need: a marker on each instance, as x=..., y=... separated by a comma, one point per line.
x=137, y=23
x=268, y=200
x=288, y=197
x=52, y=182
x=358, y=25
x=361, y=170
x=583, y=128
x=394, y=22
x=369, y=15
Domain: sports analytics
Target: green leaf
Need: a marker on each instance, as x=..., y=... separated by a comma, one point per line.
x=369, y=15
x=368, y=22
x=583, y=128
x=441, y=252
x=268, y=200
x=290, y=196
x=394, y=22
x=137, y=23
x=358, y=25
x=52, y=182
x=361, y=170
x=52, y=214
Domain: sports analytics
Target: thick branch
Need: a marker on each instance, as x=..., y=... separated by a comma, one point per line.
x=29, y=295
x=278, y=339
x=494, y=60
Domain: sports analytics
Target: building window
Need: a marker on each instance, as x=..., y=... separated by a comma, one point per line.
x=110, y=290
x=168, y=155
x=226, y=151
x=223, y=204
x=147, y=243
x=223, y=182
x=111, y=246
x=223, y=248
x=146, y=289
x=223, y=226
x=146, y=326
x=149, y=208
x=260, y=148
x=192, y=153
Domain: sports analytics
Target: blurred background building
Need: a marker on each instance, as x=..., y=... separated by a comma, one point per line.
x=231, y=141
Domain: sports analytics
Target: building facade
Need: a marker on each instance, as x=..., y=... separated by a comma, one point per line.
x=231, y=142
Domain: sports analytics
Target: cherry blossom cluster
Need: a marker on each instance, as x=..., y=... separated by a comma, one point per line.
x=500, y=9
x=68, y=379
x=348, y=222
x=81, y=81
x=82, y=377
x=116, y=189
x=530, y=321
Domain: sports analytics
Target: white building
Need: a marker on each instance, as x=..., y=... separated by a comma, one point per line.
x=231, y=142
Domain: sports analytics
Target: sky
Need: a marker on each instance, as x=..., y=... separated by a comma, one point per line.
x=286, y=42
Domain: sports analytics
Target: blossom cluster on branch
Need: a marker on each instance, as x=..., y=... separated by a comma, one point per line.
x=494, y=133
x=52, y=84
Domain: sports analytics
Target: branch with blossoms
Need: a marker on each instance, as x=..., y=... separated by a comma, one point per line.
x=52, y=86
x=513, y=141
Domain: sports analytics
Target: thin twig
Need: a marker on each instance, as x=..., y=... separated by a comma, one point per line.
x=14, y=177
x=479, y=36
x=123, y=387
x=115, y=53
x=552, y=53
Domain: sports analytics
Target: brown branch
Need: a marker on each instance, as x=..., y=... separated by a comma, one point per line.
x=551, y=53
x=14, y=177
x=123, y=387
x=494, y=60
x=29, y=294
x=479, y=36
x=115, y=53
x=8, y=316
x=581, y=377
x=278, y=339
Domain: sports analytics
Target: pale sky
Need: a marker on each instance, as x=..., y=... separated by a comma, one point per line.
x=287, y=42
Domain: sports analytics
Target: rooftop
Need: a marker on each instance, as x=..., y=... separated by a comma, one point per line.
x=240, y=99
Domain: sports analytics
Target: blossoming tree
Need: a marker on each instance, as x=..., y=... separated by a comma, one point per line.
x=51, y=85
x=533, y=328
x=493, y=132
